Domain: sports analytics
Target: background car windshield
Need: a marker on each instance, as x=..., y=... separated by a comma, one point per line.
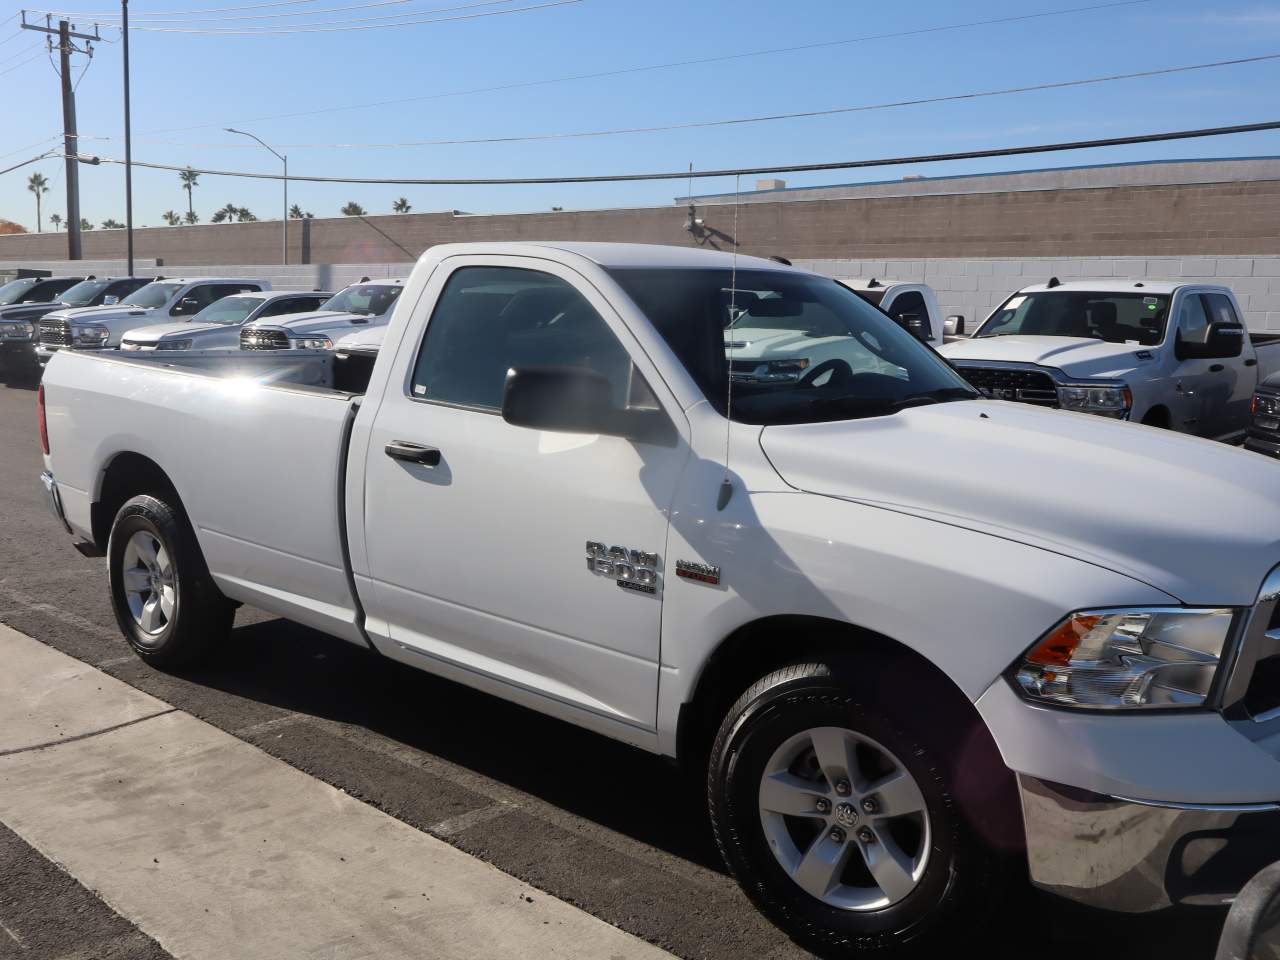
x=228, y=310
x=369, y=300
x=1113, y=317
x=84, y=293
x=152, y=295
x=15, y=290
x=800, y=349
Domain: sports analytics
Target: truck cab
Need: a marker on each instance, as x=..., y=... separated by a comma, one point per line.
x=1166, y=354
x=160, y=301
x=912, y=305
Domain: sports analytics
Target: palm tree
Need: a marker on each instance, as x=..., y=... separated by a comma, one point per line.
x=226, y=214
x=85, y=224
x=56, y=220
x=401, y=206
x=38, y=185
x=171, y=218
x=191, y=217
x=111, y=224
x=295, y=212
x=189, y=180
x=353, y=209
x=245, y=215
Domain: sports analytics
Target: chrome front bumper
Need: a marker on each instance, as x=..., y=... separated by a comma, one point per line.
x=53, y=500
x=1132, y=856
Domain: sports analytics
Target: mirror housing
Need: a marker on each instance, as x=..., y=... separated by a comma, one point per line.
x=953, y=326
x=186, y=305
x=915, y=325
x=1222, y=341
x=577, y=400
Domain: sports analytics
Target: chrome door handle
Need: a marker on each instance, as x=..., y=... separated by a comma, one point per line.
x=413, y=453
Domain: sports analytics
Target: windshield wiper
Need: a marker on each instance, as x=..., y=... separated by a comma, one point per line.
x=874, y=406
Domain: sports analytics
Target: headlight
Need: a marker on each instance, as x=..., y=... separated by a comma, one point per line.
x=91, y=334
x=311, y=343
x=174, y=344
x=12, y=329
x=1128, y=659
x=1110, y=401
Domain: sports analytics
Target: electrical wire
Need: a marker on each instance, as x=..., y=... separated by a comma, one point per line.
x=701, y=61
x=739, y=171
x=151, y=21
x=35, y=56
x=738, y=121
x=115, y=14
x=52, y=136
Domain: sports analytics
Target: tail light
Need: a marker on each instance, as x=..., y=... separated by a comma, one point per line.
x=44, y=426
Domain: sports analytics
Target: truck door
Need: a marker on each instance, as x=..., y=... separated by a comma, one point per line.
x=1192, y=395
x=1231, y=379
x=488, y=559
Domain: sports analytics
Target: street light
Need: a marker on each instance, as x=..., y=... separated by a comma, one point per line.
x=284, y=221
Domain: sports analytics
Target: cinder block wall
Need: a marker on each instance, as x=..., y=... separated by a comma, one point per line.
x=973, y=287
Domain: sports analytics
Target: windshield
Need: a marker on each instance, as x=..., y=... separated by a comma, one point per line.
x=84, y=293
x=1114, y=317
x=15, y=290
x=799, y=348
x=152, y=295
x=228, y=310
x=370, y=300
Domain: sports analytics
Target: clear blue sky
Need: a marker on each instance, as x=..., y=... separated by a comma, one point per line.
x=182, y=80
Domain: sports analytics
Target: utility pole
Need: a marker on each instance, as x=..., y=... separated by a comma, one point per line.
x=65, y=32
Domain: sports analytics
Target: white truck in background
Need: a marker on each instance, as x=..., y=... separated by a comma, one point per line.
x=1167, y=354
x=550, y=486
x=361, y=306
x=913, y=305
x=160, y=301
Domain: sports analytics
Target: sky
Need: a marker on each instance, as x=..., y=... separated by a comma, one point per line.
x=186, y=87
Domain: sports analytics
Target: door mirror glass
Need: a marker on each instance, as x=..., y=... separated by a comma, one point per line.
x=954, y=326
x=576, y=400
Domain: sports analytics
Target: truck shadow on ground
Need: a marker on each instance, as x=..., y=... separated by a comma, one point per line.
x=287, y=666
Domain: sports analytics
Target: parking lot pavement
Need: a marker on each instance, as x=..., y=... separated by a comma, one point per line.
x=602, y=826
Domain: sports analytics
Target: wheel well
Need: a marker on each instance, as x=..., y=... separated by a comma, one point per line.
x=127, y=476
x=1158, y=417
x=754, y=651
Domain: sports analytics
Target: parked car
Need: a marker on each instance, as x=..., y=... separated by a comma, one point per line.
x=902, y=694
x=913, y=305
x=99, y=328
x=1167, y=354
x=218, y=325
x=22, y=303
x=1264, y=418
x=364, y=304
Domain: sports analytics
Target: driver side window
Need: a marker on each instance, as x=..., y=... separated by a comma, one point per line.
x=490, y=319
x=1193, y=320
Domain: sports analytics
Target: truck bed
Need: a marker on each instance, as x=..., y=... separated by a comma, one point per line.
x=256, y=445
x=312, y=369
x=1267, y=347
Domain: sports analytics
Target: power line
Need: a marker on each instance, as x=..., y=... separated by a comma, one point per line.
x=151, y=20
x=35, y=56
x=115, y=14
x=284, y=31
x=741, y=171
x=737, y=121
x=663, y=66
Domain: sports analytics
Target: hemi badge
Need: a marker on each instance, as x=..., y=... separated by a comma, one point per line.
x=697, y=571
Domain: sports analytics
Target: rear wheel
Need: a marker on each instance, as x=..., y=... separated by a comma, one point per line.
x=164, y=599
x=841, y=824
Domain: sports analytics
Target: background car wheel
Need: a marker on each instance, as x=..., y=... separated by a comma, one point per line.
x=165, y=602
x=841, y=825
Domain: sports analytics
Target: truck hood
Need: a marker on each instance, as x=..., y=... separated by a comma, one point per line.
x=333, y=323
x=114, y=315
x=1074, y=356
x=1196, y=519
x=178, y=330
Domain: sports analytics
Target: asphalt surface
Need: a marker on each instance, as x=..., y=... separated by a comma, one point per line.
x=603, y=826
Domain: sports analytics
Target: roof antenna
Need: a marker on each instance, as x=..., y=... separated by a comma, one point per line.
x=726, y=485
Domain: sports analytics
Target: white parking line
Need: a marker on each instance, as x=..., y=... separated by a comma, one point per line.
x=217, y=850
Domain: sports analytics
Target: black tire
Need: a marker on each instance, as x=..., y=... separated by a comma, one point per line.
x=964, y=874
x=201, y=615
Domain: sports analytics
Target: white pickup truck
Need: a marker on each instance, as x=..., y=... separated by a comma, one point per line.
x=903, y=695
x=161, y=301
x=358, y=307
x=1171, y=355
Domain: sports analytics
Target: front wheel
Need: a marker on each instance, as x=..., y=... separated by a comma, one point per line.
x=839, y=824
x=164, y=599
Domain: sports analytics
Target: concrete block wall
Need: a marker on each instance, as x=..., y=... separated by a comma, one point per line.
x=312, y=276
x=973, y=287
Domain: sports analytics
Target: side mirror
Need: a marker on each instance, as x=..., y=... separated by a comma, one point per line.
x=1222, y=341
x=915, y=325
x=954, y=326
x=186, y=305
x=576, y=400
